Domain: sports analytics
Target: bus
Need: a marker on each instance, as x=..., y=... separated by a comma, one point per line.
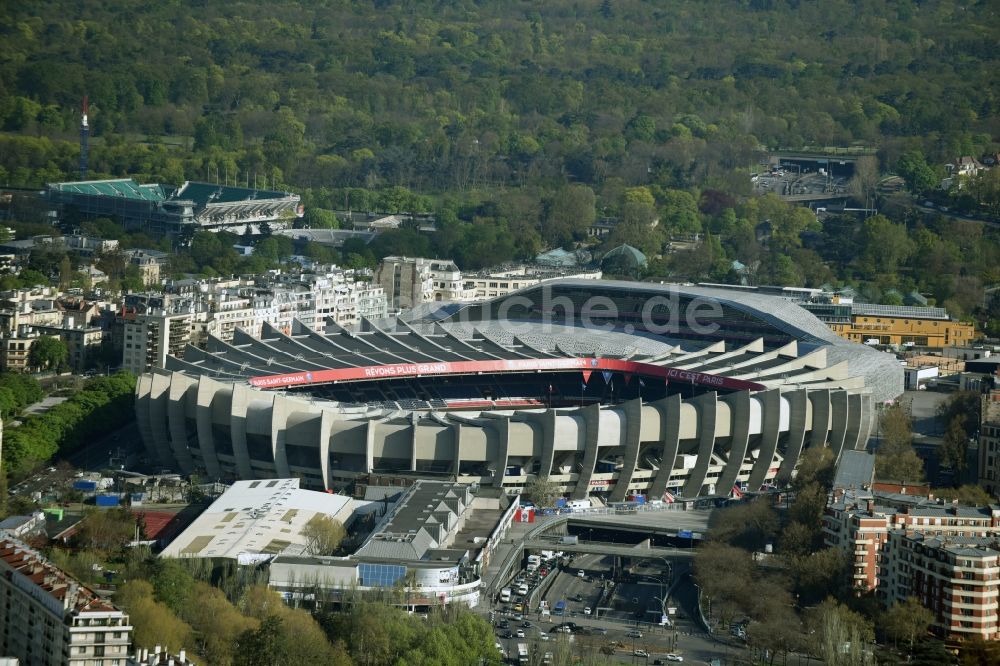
x=560, y=607
x=522, y=653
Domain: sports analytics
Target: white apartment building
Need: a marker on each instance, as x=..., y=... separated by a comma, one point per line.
x=489, y=284
x=150, y=337
x=410, y=281
x=50, y=619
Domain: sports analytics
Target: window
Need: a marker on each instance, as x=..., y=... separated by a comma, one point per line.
x=380, y=575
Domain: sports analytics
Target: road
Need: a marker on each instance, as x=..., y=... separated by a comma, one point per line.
x=614, y=609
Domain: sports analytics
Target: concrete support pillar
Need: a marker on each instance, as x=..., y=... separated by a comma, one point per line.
x=770, y=407
x=370, y=445
x=868, y=417
x=705, y=405
x=414, y=434
x=457, y=431
x=238, y=430
x=854, y=416
x=159, y=387
x=177, y=396
x=670, y=428
x=796, y=434
x=501, y=425
x=839, y=415
x=592, y=424
x=633, y=431
x=739, y=429
x=820, y=426
x=281, y=407
x=142, y=399
x=203, y=409
x=327, y=418
x=547, y=420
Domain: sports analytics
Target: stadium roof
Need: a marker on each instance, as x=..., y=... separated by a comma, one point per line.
x=203, y=194
x=258, y=518
x=899, y=311
x=121, y=187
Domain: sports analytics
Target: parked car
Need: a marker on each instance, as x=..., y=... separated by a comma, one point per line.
x=586, y=610
x=674, y=657
x=639, y=653
x=633, y=633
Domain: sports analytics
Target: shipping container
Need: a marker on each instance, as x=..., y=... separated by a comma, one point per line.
x=106, y=500
x=87, y=486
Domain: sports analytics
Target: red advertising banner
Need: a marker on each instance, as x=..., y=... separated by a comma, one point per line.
x=501, y=366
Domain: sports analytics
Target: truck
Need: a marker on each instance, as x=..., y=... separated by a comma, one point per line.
x=505, y=595
x=570, y=539
x=578, y=504
x=533, y=562
x=522, y=653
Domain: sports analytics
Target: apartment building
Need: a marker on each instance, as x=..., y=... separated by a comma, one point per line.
x=488, y=284
x=50, y=619
x=149, y=337
x=410, y=281
x=955, y=577
x=989, y=442
x=886, y=536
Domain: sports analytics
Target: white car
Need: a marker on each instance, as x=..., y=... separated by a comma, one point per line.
x=520, y=633
x=586, y=611
x=633, y=633
x=639, y=653
x=674, y=657
x=542, y=636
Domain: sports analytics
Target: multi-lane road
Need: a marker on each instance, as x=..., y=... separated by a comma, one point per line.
x=618, y=624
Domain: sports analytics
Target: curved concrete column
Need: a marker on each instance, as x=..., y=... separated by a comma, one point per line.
x=142, y=399
x=592, y=423
x=739, y=411
x=868, y=417
x=177, y=420
x=414, y=440
x=238, y=430
x=501, y=425
x=670, y=429
x=633, y=428
x=705, y=405
x=770, y=409
x=370, y=445
x=854, y=408
x=820, y=425
x=326, y=419
x=159, y=394
x=281, y=407
x=839, y=413
x=547, y=420
x=797, y=403
x=456, y=438
x=203, y=415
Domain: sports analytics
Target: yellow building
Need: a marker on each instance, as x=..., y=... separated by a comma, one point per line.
x=893, y=324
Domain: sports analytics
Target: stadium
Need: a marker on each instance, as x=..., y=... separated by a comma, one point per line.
x=618, y=389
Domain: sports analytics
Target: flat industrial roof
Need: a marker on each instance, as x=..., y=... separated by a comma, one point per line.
x=257, y=518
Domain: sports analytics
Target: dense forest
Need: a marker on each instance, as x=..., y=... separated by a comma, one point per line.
x=452, y=95
x=518, y=123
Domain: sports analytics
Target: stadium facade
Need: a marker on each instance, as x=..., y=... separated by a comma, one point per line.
x=162, y=210
x=614, y=388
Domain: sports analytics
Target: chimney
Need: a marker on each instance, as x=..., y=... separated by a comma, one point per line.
x=871, y=506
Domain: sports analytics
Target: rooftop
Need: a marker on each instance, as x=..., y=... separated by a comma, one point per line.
x=258, y=519
x=898, y=311
x=422, y=520
x=203, y=194
x=120, y=187
x=59, y=591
